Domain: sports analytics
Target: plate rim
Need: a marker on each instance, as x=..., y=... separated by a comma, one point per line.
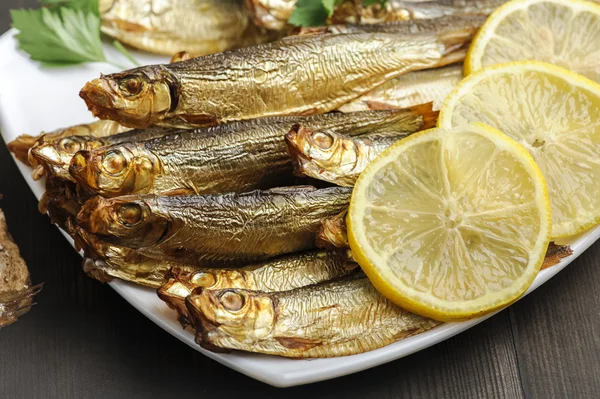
x=347, y=364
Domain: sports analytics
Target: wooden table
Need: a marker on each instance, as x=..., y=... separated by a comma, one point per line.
x=83, y=340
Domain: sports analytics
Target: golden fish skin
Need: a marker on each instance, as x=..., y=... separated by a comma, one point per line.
x=274, y=14
x=407, y=90
x=235, y=157
x=271, y=14
x=220, y=229
x=21, y=145
x=403, y=10
x=54, y=157
x=333, y=234
x=280, y=274
x=105, y=262
x=333, y=157
x=297, y=75
x=169, y=26
x=338, y=318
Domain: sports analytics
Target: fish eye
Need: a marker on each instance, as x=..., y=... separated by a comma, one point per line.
x=131, y=86
x=232, y=301
x=114, y=162
x=323, y=140
x=203, y=279
x=130, y=214
x=69, y=145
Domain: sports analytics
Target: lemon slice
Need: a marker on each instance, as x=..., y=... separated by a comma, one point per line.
x=555, y=115
x=565, y=33
x=451, y=224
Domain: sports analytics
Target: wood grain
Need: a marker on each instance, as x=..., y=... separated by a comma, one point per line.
x=82, y=340
x=558, y=327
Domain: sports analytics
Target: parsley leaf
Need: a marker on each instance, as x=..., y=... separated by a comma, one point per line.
x=308, y=13
x=315, y=12
x=63, y=33
x=330, y=5
x=90, y=6
x=58, y=37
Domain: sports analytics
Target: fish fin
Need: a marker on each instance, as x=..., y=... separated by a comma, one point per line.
x=181, y=56
x=333, y=234
x=20, y=147
x=290, y=190
x=380, y=106
x=459, y=38
x=297, y=343
x=93, y=270
x=430, y=116
x=128, y=26
x=555, y=254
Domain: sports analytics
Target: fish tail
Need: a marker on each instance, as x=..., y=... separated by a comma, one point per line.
x=20, y=147
x=456, y=41
x=430, y=116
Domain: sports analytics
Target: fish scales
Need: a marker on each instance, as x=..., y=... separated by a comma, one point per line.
x=280, y=274
x=215, y=229
x=337, y=318
x=297, y=75
x=234, y=157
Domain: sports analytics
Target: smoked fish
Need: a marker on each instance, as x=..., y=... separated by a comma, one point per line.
x=280, y=274
x=234, y=157
x=338, y=318
x=214, y=230
x=297, y=75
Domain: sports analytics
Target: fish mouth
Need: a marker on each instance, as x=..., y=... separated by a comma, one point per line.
x=46, y=156
x=98, y=96
x=45, y=153
x=101, y=99
x=195, y=303
x=96, y=215
x=79, y=170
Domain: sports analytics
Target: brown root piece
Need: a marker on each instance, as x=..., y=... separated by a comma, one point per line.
x=555, y=254
x=16, y=293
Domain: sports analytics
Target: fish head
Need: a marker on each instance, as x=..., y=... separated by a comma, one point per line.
x=317, y=151
x=128, y=221
x=180, y=282
x=55, y=156
x=241, y=314
x=116, y=170
x=136, y=98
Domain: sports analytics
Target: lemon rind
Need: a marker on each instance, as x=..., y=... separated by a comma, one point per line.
x=481, y=39
x=573, y=78
x=415, y=301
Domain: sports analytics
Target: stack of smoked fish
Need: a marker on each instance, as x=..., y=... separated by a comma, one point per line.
x=186, y=183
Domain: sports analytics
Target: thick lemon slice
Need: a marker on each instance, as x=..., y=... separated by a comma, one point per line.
x=451, y=224
x=555, y=115
x=565, y=33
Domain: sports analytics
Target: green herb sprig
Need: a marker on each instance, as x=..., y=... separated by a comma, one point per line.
x=63, y=33
x=316, y=12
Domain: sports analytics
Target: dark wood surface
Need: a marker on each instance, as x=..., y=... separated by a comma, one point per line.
x=82, y=340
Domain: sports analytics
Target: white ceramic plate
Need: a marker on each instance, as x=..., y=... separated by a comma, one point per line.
x=33, y=99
